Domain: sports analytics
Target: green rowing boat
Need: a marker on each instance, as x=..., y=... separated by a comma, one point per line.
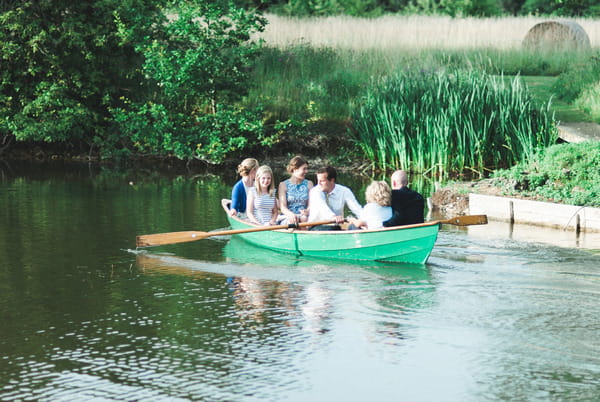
x=408, y=244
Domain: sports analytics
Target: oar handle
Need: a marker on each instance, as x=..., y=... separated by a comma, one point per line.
x=159, y=239
x=266, y=228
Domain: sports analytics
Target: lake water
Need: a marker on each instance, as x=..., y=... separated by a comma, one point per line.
x=84, y=316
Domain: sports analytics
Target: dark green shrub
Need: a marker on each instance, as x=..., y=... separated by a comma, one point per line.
x=568, y=173
x=571, y=84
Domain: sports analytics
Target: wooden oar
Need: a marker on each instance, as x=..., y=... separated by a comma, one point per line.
x=466, y=220
x=182, y=237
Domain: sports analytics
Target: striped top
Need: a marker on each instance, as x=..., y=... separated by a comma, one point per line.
x=263, y=206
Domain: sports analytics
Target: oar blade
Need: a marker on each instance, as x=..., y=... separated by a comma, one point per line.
x=159, y=239
x=467, y=220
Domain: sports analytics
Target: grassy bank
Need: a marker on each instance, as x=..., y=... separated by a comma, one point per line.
x=321, y=70
x=565, y=173
x=309, y=88
x=304, y=82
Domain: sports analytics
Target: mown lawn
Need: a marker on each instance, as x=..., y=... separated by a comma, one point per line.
x=541, y=90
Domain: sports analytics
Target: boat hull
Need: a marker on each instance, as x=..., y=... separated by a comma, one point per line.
x=408, y=244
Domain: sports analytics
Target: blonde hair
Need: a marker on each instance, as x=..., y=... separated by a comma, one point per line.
x=379, y=192
x=264, y=169
x=246, y=166
x=296, y=163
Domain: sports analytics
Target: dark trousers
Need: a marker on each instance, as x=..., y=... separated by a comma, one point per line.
x=326, y=227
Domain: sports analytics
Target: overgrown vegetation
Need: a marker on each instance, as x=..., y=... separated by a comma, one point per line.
x=196, y=72
x=118, y=76
x=566, y=173
x=450, y=120
x=580, y=86
x=63, y=63
x=455, y=8
x=302, y=82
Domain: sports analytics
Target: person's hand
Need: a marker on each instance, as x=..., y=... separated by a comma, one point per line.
x=339, y=219
x=292, y=218
x=232, y=212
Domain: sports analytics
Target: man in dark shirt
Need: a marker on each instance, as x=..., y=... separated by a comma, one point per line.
x=408, y=205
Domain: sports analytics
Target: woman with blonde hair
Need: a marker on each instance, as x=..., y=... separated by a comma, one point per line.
x=262, y=205
x=246, y=169
x=378, y=208
x=293, y=192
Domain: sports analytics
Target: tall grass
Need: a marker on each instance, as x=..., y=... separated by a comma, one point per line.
x=448, y=121
x=339, y=69
x=393, y=32
x=307, y=83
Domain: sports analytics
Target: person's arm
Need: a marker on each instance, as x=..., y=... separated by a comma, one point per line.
x=350, y=200
x=274, y=212
x=394, y=220
x=235, y=199
x=283, y=203
x=359, y=224
x=250, y=207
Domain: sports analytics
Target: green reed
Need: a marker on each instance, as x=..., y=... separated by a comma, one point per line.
x=450, y=120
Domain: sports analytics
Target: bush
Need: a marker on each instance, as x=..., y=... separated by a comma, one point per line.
x=570, y=8
x=567, y=173
x=197, y=71
x=155, y=130
x=570, y=84
x=589, y=101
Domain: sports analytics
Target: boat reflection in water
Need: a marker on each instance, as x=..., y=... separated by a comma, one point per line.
x=304, y=292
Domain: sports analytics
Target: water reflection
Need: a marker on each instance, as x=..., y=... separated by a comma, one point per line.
x=537, y=234
x=491, y=316
x=304, y=296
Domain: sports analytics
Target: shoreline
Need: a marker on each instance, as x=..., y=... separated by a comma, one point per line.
x=522, y=219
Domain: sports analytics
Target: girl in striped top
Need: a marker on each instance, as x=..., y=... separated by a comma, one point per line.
x=262, y=204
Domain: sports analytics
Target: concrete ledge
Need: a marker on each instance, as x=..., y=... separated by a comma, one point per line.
x=579, y=132
x=495, y=230
x=514, y=210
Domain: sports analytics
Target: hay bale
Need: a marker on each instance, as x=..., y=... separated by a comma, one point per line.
x=557, y=35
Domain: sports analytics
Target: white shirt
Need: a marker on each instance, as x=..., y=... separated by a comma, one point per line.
x=374, y=215
x=324, y=207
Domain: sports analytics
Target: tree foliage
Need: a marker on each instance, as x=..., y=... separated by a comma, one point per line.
x=121, y=76
x=64, y=63
x=198, y=69
x=566, y=8
x=457, y=8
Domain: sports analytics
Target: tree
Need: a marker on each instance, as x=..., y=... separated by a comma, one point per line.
x=64, y=63
x=569, y=8
x=197, y=69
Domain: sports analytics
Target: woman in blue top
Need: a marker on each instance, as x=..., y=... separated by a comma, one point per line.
x=293, y=192
x=246, y=169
